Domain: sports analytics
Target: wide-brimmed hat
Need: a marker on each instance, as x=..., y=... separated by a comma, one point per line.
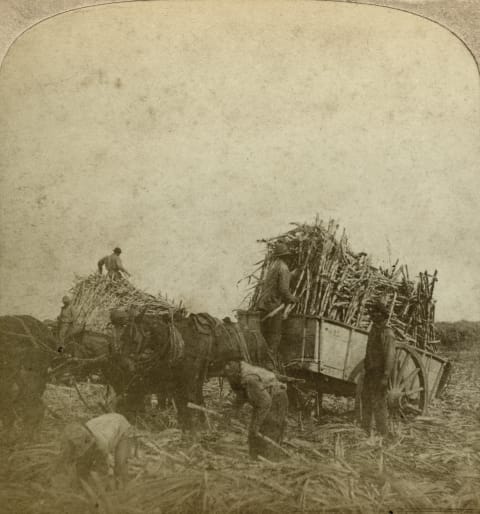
x=281, y=250
x=117, y=250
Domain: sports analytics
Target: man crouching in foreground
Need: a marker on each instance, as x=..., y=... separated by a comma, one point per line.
x=268, y=397
x=87, y=447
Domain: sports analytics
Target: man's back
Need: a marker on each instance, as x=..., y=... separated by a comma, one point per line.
x=108, y=429
x=112, y=262
x=276, y=287
x=256, y=373
x=380, y=346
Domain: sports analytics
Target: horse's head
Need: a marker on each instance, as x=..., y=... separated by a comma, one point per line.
x=135, y=330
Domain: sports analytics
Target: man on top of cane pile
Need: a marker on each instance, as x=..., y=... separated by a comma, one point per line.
x=379, y=359
x=113, y=264
x=274, y=297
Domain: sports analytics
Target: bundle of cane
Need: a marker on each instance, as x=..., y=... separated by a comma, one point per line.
x=93, y=298
x=336, y=283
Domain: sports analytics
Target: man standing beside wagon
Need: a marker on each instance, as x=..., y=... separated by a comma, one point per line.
x=379, y=359
x=274, y=297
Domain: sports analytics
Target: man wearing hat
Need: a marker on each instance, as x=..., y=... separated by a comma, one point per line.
x=275, y=293
x=87, y=447
x=113, y=264
x=378, y=364
x=65, y=319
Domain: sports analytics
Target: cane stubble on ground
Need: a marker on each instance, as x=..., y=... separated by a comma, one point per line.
x=434, y=464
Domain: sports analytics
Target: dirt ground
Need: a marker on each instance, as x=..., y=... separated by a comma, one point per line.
x=330, y=466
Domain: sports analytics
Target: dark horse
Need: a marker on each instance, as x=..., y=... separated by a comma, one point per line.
x=155, y=354
x=88, y=352
x=27, y=351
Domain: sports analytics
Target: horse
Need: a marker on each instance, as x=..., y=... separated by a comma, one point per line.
x=27, y=351
x=154, y=354
x=88, y=351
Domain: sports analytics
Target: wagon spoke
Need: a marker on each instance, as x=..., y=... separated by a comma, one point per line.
x=403, y=414
x=409, y=378
x=395, y=368
x=412, y=407
x=414, y=391
x=403, y=367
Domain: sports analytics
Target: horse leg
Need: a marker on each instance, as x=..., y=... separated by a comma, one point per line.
x=198, y=392
x=32, y=385
x=183, y=414
x=181, y=398
x=162, y=397
x=33, y=414
x=130, y=405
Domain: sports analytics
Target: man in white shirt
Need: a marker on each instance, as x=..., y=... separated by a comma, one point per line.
x=87, y=447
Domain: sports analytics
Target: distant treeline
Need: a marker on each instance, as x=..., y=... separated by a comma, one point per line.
x=459, y=333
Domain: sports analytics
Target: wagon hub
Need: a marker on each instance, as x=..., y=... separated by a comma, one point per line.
x=395, y=398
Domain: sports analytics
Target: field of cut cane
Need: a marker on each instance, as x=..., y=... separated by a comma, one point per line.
x=433, y=466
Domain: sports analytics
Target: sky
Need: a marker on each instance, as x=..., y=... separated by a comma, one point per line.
x=184, y=132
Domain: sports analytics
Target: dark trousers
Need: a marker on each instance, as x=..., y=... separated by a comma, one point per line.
x=272, y=332
x=273, y=427
x=374, y=402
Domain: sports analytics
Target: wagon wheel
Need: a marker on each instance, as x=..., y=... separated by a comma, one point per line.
x=407, y=389
x=408, y=386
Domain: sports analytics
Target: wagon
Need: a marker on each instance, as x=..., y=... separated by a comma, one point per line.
x=328, y=356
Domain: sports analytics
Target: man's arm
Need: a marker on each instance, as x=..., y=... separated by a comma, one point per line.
x=260, y=401
x=120, y=266
x=100, y=264
x=71, y=315
x=240, y=395
x=388, y=352
x=284, y=285
x=122, y=453
x=295, y=274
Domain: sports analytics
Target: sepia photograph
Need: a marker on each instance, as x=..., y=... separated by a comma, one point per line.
x=239, y=256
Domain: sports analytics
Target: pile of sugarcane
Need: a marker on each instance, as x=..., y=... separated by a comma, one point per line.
x=95, y=296
x=336, y=283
